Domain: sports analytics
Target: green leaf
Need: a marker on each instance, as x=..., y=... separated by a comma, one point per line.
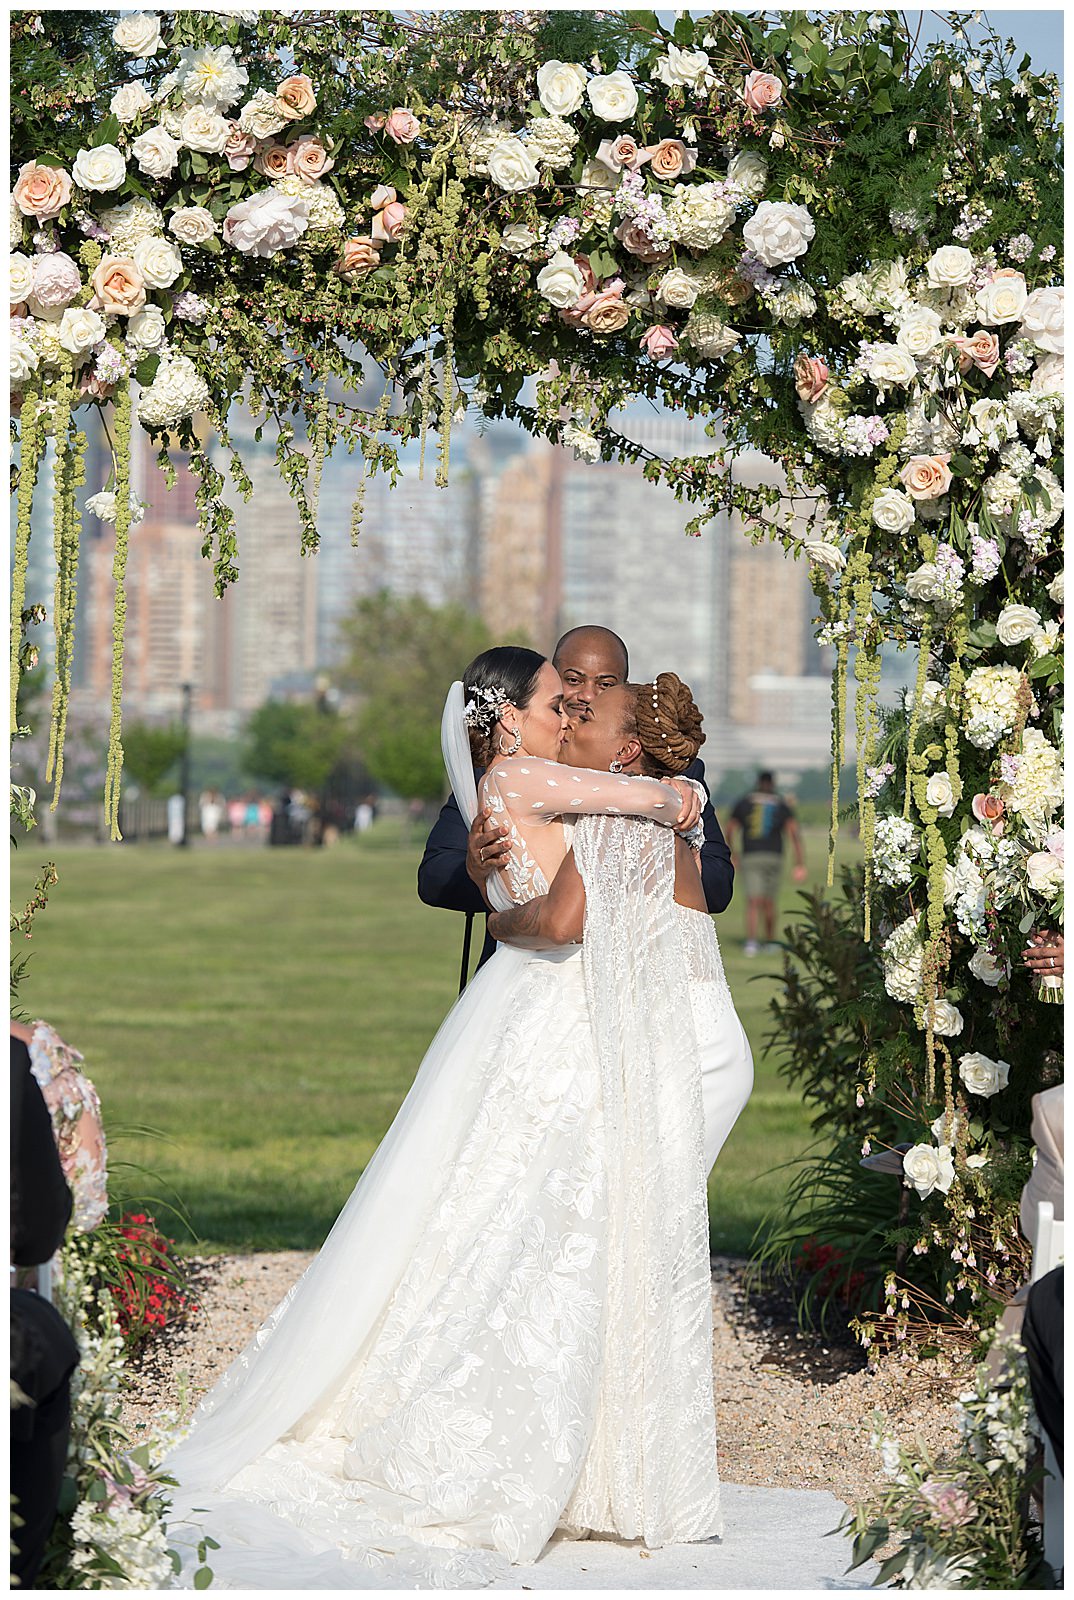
x=203, y=1578
x=874, y=1536
x=1043, y=665
x=882, y=102
x=107, y=133
x=961, y=466
x=198, y=163
x=818, y=53
x=146, y=370
x=891, y=1566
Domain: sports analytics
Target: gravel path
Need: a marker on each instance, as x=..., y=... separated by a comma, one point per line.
x=792, y=1412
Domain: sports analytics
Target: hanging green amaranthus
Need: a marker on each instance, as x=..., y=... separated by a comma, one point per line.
x=68, y=534
x=29, y=456
x=122, y=460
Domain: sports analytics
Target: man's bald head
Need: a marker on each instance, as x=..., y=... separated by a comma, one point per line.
x=589, y=660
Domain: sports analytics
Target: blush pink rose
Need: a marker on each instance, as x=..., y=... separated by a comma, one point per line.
x=359, y=257
x=761, y=90
x=671, y=159
x=632, y=237
x=376, y=121
x=621, y=152
x=980, y=350
x=57, y=281
x=309, y=158
x=118, y=287
x=295, y=98
x=389, y=222
x=989, y=809
x=658, y=342
x=925, y=477
x=402, y=126
x=274, y=160
x=810, y=378
x=41, y=192
x=92, y=387
x=240, y=148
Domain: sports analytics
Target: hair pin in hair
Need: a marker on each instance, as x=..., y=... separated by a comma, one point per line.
x=482, y=716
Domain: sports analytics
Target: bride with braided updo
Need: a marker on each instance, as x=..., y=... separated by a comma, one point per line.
x=508, y=1330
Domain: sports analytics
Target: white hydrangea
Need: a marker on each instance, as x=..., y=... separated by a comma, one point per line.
x=903, y=957
x=325, y=211
x=895, y=848
x=699, y=215
x=15, y=228
x=550, y=141
x=991, y=704
x=127, y=225
x=971, y=889
x=177, y=391
x=479, y=143
x=1036, y=790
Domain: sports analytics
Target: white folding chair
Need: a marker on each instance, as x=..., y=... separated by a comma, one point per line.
x=1048, y=1253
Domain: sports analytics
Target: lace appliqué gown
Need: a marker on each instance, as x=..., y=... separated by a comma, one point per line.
x=508, y=1330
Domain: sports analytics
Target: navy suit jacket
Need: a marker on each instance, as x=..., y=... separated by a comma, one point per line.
x=444, y=881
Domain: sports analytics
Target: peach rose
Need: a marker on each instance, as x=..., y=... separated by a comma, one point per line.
x=118, y=287
x=989, y=808
x=382, y=196
x=670, y=159
x=295, y=98
x=980, y=350
x=658, y=342
x=810, y=378
x=733, y=290
x=90, y=385
x=925, y=477
x=621, y=152
x=608, y=313
x=632, y=237
x=389, y=222
x=402, y=126
x=358, y=259
x=274, y=160
x=309, y=158
x=762, y=90
x=240, y=148
x=41, y=192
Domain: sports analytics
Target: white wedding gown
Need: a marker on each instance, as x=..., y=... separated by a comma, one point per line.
x=508, y=1329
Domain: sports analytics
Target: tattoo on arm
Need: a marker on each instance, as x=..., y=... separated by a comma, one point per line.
x=520, y=922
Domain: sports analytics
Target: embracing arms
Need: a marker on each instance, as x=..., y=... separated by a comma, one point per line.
x=557, y=918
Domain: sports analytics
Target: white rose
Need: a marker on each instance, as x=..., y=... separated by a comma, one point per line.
x=1015, y=624
x=22, y=357
x=1045, y=873
x=779, y=232
x=80, y=330
x=893, y=511
x=1002, y=300
x=950, y=884
x=156, y=152
x=102, y=168
x=889, y=364
x=940, y=792
x=676, y=289
x=928, y=1167
x=129, y=102
x=825, y=554
x=595, y=175
x=985, y=967
x=1047, y=376
x=683, y=68
x=20, y=277
x=159, y=262
x=192, y=224
x=138, y=35
x=949, y=267
x=516, y=239
x=946, y=1021
x=261, y=116
x=561, y=282
x=511, y=166
x=561, y=87
x=924, y=583
x=981, y=1074
x=1042, y=320
x=919, y=332
x=146, y=329
x=749, y=170
x=201, y=129
x=614, y=97
x=1054, y=590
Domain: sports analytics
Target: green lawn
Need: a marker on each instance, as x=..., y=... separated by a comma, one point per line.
x=266, y=1011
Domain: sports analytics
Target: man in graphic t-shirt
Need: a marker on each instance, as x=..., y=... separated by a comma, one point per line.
x=763, y=818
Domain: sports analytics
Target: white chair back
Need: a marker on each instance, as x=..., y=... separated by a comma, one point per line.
x=1048, y=1244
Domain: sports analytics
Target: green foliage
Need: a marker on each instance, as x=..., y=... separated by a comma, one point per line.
x=401, y=747
x=294, y=743
x=150, y=755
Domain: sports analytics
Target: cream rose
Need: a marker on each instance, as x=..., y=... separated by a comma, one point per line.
x=359, y=258
x=940, y=792
x=1015, y=624
x=890, y=365
x=129, y=102
x=1045, y=873
x=762, y=90
x=261, y=117
x=22, y=357
x=825, y=554
x=561, y=281
x=678, y=290
x=118, y=286
x=295, y=98
x=1047, y=376
x=1042, y=320
x=146, y=328
x=919, y=332
x=924, y=583
x=1055, y=590
x=893, y=511
x=156, y=152
x=20, y=278
x=1002, y=300
x=41, y=192
x=613, y=97
x=205, y=130
x=101, y=169
x=517, y=239
x=138, y=35
x=683, y=69
x=986, y=969
x=925, y=477
x=981, y=1074
x=779, y=232
x=927, y=1168
x=159, y=262
x=561, y=87
x=192, y=224
x=949, y=267
x=511, y=167
x=946, y=1021
x=749, y=170
x=80, y=329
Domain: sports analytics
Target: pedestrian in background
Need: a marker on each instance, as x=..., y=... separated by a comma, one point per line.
x=764, y=818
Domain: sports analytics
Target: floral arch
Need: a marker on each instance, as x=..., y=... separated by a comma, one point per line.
x=843, y=245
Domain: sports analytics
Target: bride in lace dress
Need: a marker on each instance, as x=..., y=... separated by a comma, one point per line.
x=508, y=1330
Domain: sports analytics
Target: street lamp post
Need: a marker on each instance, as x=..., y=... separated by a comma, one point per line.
x=187, y=691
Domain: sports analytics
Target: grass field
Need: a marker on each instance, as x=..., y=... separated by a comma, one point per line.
x=266, y=1010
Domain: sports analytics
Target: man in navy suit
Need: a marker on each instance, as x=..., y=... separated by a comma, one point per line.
x=457, y=861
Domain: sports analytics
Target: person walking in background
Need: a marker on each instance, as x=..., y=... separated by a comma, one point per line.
x=763, y=818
